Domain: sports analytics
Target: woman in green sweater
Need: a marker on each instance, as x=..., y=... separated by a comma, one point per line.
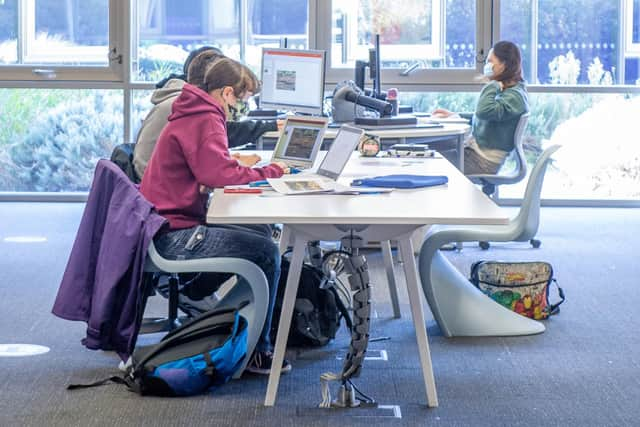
x=501, y=103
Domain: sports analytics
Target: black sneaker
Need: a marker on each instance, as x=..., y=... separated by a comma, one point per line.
x=260, y=364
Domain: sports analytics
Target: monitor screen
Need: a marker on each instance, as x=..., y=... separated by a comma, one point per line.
x=300, y=139
x=293, y=80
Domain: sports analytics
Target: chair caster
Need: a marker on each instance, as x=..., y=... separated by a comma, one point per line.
x=484, y=245
x=535, y=243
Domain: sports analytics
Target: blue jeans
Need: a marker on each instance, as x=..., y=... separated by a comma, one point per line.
x=251, y=242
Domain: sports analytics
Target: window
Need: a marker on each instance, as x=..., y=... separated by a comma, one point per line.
x=632, y=28
x=408, y=32
x=56, y=137
x=575, y=42
x=168, y=30
x=55, y=40
x=423, y=37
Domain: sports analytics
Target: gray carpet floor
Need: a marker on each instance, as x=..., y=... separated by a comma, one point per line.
x=583, y=371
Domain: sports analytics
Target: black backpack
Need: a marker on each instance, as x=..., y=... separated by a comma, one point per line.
x=317, y=311
x=207, y=351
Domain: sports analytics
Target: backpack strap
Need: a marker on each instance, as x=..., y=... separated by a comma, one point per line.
x=555, y=308
x=114, y=379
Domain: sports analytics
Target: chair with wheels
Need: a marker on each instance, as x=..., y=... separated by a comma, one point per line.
x=459, y=308
x=489, y=182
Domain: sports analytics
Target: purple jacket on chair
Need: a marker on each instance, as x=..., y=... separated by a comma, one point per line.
x=101, y=284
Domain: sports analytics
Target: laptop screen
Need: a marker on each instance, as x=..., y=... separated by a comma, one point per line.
x=341, y=149
x=300, y=141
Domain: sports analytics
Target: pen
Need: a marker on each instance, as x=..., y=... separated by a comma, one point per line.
x=263, y=183
x=242, y=190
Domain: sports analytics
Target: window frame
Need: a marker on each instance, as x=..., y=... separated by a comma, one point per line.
x=420, y=79
x=631, y=48
x=45, y=71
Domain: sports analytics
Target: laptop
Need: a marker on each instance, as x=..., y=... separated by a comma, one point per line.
x=324, y=179
x=300, y=141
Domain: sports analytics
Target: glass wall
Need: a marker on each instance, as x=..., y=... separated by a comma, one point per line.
x=72, y=32
x=416, y=35
x=63, y=86
x=55, y=137
x=167, y=31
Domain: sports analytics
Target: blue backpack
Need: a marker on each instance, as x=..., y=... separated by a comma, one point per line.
x=205, y=352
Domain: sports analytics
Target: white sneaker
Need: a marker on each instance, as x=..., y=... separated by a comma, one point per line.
x=124, y=366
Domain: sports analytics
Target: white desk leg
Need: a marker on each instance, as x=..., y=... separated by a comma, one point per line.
x=387, y=257
x=415, y=300
x=285, y=318
x=285, y=238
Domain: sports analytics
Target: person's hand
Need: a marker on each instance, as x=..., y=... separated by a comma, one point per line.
x=247, y=160
x=441, y=113
x=283, y=166
x=280, y=124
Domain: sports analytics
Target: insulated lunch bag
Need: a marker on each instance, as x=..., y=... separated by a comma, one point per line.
x=519, y=286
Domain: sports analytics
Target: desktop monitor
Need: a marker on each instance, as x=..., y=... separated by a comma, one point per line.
x=293, y=80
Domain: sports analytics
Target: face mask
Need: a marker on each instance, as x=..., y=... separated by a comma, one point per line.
x=239, y=110
x=488, y=69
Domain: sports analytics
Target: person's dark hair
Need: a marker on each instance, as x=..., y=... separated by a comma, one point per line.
x=509, y=54
x=227, y=72
x=185, y=66
x=196, y=52
x=199, y=65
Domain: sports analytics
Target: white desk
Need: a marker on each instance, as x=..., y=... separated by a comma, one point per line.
x=449, y=130
x=392, y=216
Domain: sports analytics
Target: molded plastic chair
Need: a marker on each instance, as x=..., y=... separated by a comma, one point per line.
x=490, y=181
x=252, y=288
x=458, y=307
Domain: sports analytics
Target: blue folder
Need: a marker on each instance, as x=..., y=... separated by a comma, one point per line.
x=401, y=181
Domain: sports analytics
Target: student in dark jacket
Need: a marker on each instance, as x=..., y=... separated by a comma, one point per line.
x=239, y=132
x=192, y=152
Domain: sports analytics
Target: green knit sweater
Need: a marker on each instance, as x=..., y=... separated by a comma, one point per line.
x=497, y=114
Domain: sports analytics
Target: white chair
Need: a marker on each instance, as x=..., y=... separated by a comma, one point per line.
x=459, y=308
x=254, y=289
x=517, y=174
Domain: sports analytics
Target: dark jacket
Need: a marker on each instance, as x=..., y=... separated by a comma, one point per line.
x=101, y=284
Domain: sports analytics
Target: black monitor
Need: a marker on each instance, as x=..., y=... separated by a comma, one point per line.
x=375, y=71
x=293, y=80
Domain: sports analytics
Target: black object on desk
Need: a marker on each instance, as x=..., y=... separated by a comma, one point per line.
x=386, y=121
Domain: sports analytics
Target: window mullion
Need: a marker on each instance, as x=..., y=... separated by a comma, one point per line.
x=244, y=18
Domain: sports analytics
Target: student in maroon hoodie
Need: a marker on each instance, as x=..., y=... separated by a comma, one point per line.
x=192, y=153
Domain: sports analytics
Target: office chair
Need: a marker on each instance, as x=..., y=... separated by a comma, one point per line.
x=252, y=288
x=458, y=310
x=490, y=181
x=122, y=155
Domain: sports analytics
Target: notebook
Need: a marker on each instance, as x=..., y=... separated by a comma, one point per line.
x=299, y=141
x=324, y=179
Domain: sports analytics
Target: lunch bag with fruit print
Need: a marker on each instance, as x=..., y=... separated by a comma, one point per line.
x=519, y=286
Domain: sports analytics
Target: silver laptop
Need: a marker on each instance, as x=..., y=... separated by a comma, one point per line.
x=324, y=179
x=300, y=141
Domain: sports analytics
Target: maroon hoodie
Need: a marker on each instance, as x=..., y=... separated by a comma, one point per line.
x=192, y=150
